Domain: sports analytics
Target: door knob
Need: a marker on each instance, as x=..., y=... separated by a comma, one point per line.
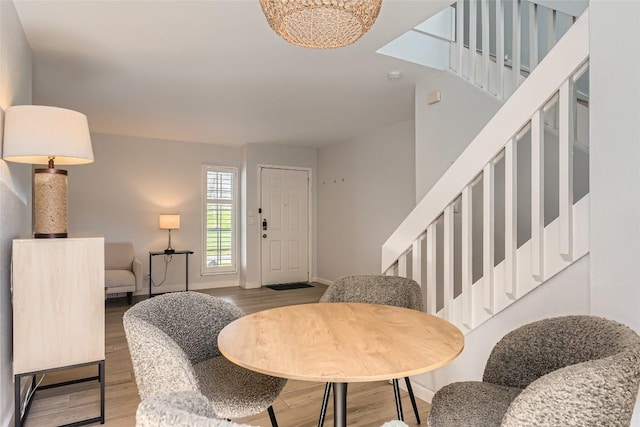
x=264, y=236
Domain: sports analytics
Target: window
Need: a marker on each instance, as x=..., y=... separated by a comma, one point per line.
x=219, y=237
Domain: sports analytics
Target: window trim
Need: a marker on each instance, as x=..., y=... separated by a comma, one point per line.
x=211, y=271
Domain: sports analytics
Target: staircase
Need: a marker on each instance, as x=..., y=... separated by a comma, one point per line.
x=503, y=220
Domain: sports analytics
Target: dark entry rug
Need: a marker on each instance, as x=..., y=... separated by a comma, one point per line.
x=287, y=286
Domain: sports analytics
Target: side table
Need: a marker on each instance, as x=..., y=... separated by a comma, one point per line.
x=186, y=273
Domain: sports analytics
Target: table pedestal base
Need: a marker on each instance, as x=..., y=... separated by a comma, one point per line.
x=340, y=404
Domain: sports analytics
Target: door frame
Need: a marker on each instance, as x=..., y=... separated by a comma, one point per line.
x=309, y=212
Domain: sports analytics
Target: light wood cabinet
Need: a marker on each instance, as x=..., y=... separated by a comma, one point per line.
x=58, y=302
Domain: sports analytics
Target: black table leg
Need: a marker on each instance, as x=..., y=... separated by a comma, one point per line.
x=340, y=404
x=396, y=392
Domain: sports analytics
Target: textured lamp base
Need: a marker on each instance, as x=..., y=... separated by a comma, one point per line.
x=50, y=203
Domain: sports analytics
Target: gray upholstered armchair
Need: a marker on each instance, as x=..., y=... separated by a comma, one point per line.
x=375, y=289
x=173, y=341
x=565, y=371
x=123, y=271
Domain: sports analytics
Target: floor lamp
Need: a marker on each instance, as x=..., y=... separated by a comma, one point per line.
x=38, y=135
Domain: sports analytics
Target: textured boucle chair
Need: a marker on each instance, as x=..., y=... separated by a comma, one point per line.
x=173, y=341
x=386, y=290
x=179, y=409
x=564, y=371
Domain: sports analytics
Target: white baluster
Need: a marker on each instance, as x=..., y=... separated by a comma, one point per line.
x=393, y=270
x=533, y=36
x=460, y=35
x=473, y=19
x=511, y=218
x=488, y=236
x=448, y=261
x=402, y=265
x=551, y=28
x=417, y=259
x=537, y=196
x=500, y=49
x=467, y=261
x=486, y=31
x=432, y=285
x=516, y=43
x=567, y=115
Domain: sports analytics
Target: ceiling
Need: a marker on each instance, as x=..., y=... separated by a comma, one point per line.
x=213, y=71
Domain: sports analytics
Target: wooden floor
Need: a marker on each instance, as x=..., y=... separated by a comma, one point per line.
x=369, y=404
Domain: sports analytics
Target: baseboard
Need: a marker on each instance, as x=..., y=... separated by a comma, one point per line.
x=213, y=285
x=419, y=391
x=250, y=285
x=117, y=295
x=322, y=281
x=199, y=286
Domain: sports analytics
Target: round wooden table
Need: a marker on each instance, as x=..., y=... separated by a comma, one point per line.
x=340, y=343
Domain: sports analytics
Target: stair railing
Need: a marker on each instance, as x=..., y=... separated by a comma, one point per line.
x=411, y=250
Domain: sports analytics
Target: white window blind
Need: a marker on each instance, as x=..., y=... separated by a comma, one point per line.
x=219, y=237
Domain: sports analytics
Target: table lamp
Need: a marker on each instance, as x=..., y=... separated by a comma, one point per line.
x=38, y=134
x=169, y=222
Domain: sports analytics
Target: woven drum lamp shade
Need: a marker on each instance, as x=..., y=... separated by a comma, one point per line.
x=321, y=24
x=38, y=134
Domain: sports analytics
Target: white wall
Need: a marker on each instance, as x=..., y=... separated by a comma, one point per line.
x=131, y=182
x=444, y=130
x=15, y=185
x=366, y=188
x=274, y=155
x=615, y=154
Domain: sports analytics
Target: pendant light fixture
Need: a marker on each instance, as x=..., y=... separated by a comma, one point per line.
x=321, y=24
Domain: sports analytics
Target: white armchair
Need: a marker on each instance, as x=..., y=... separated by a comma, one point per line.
x=123, y=271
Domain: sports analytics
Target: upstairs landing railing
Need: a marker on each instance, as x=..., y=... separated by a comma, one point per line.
x=489, y=49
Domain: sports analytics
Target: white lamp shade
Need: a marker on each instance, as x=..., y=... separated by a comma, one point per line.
x=33, y=133
x=169, y=222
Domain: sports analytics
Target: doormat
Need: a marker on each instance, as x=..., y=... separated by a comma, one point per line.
x=287, y=286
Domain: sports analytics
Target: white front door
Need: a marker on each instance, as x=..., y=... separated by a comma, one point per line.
x=284, y=225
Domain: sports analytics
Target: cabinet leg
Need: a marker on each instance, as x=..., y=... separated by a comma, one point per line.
x=102, y=385
x=17, y=419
